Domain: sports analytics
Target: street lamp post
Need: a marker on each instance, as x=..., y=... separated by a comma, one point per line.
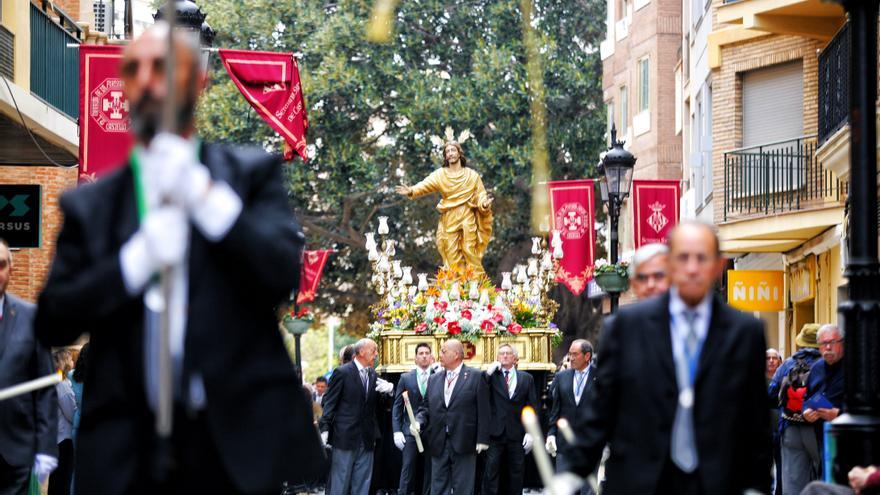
x=856, y=433
x=617, y=166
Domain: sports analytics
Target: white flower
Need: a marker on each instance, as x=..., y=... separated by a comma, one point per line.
x=601, y=262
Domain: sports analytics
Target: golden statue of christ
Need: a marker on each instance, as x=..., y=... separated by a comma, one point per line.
x=465, y=210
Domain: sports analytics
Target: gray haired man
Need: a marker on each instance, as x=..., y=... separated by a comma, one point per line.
x=648, y=272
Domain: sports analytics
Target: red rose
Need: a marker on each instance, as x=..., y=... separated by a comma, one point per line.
x=489, y=307
x=441, y=305
x=466, y=314
x=498, y=317
x=439, y=320
x=453, y=328
x=514, y=328
x=487, y=326
x=421, y=327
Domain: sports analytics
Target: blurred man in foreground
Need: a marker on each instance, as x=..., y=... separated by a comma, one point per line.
x=680, y=394
x=215, y=222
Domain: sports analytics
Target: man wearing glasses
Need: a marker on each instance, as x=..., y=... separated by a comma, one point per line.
x=648, y=272
x=571, y=392
x=825, y=383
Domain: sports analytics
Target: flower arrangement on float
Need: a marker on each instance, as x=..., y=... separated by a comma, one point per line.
x=460, y=302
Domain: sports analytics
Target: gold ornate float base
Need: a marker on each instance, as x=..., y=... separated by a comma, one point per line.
x=397, y=350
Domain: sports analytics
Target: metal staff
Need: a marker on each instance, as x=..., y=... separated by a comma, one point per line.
x=164, y=416
x=412, y=421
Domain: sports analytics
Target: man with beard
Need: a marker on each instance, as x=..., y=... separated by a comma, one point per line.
x=215, y=222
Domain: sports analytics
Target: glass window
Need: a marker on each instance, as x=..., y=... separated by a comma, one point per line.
x=644, y=85
x=624, y=110
x=610, y=112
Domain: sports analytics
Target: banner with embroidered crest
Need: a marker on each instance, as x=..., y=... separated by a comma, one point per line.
x=104, y=138
x=271, y=85
x=655, y=209
x=572, y=214
x=312, y=268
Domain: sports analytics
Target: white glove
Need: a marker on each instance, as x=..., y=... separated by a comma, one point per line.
x=415, y=428
x=482, y=447
x=44, y=465
x=166, y=231
x=566, y=483
x=161, y=241
x=172, y=168
x=436, y=367
x=325, y=436
x=384, y=387
x=550, y=445
x=493, y=368
x=399, y=440
x=527, y=443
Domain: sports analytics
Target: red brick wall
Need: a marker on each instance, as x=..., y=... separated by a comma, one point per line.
x=31, y=266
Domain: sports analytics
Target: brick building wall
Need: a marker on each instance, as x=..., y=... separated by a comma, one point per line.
x=727, y=94
x=31, y=266
x=655, y=32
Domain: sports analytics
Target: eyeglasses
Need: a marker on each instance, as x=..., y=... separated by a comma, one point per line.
x=829, y=342
x=644, y=277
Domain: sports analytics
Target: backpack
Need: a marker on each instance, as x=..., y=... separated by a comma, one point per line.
x=793, y=388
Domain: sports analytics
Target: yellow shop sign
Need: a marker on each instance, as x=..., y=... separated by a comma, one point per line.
x=756, y=290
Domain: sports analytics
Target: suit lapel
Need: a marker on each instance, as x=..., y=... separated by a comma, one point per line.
x=127, y=220
x=714, y=339
x=660, y=339
x=498, y=383
x=463, y=375
x=8, y=326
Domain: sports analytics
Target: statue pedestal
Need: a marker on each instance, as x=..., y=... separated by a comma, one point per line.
x=397, y=349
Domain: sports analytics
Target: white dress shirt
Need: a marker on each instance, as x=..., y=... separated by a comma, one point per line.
x=582, y=380
x=449, y=385
x=679, y=329
x=214, y=216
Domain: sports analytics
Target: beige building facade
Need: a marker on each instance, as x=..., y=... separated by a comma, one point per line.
x=778, y=94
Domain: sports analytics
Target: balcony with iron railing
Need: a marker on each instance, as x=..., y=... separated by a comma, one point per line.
x=834, y=85
x=54, y=66
x=777, y=178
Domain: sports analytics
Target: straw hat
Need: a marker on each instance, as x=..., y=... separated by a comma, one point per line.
x=807, y=336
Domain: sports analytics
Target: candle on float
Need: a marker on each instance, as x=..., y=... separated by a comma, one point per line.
x=383, y=226
x=474, y=293
x=423, y=282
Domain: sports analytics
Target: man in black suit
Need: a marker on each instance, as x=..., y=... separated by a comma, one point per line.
x=29, y=420
x=510, y=390
x=455, y=419
x=680, y=393
x=349, y=421
x=571, y=392
x=415, y=383
x=216, y=222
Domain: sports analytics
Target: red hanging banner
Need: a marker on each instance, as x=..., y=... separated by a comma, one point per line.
x=655, y=210
x=270, y=83
x=571, y=204
x=312, y=267
x=104, y=140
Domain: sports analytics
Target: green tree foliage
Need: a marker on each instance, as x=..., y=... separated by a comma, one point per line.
x=373, y=108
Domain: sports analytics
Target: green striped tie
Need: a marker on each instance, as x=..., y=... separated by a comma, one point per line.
x=422, y=383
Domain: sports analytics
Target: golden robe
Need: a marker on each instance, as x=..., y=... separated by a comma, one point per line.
x=464, y=228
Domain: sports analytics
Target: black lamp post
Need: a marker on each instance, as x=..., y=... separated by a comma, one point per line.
x=856, y=433
x=190, y=16
x=617, y=167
